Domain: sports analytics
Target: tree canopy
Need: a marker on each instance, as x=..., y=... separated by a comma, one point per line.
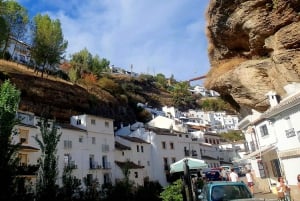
x=14, y=19
x=84, y=62
x=9, y=103
x=48, y=42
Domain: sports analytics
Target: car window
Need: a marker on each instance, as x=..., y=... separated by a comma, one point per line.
x=217, y=193
x=236, y=192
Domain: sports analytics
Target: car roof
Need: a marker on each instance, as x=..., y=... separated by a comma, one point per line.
x=225, y=183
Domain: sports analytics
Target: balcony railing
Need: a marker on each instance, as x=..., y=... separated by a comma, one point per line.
x=106, y=165
x=95, y=165
x=27, y=169
x=71, y=165
x=194, y=153
x=186, y=153
x=290, y=132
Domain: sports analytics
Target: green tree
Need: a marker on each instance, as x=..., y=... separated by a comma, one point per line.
x=16, y=20
x=71, y=185
x=172, y=192
x=48, y=172
x=4, y=32
x=9, y=104
x=161, y=80
x=233, y=135
x=84, y=61
x=48, y=42
x=182, y=97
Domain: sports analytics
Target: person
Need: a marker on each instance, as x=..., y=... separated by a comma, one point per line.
x=233, y=176
x=224, y=174
x=250, y=182
x=282, y=190
x=298, y=181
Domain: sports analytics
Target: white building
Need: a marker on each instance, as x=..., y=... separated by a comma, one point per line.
x=274, y=139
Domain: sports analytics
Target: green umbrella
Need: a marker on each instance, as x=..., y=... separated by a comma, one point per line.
x=193, y=163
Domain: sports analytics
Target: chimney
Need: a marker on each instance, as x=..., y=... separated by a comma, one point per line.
x=273, y=98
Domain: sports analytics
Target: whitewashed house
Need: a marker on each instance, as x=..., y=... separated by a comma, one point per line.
x=30, y=150
x=19, y=50
x=274, y=140
x=133, y=154
x=92, y=146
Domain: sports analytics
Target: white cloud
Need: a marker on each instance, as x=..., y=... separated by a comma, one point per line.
x=155, y=36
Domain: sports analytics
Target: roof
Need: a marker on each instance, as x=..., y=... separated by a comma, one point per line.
x=29, y=148
x=261, y=151
x=134, y=139
x=163, y=131
x=285, y=104
x=128, y=164
x=207, y=158
x=120, y=146
x=69, y=126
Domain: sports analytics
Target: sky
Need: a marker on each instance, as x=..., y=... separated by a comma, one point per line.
x=154, y=36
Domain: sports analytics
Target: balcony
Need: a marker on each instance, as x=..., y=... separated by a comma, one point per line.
x=106, y=165
x=290, y=133
x=95, y=165
x=186, y=152
x=194, y=153
x=27, y=169
x=71, y=165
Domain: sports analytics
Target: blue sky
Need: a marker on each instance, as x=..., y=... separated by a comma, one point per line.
x=162, y=36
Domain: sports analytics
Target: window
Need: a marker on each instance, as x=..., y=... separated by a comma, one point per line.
x=78, y=122
x=93, y=121
x=171, y=145
x=264, y=130
x=173, y=160
x=80, y=139
x=142, y=149
x=67, y=144
x=123, y=153
x=23, y=159
x=163, y=144
x=137, y=148
x=106, y=124
x=206, y=140
x=105, y=148
x=93, y=140
x=23, y=136
x=136, y=175
x=186, y=136
x=276, y=168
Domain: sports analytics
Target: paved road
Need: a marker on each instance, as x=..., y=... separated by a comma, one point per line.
x=270, y=196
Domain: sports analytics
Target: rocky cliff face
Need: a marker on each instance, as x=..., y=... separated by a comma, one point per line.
x=254, y=47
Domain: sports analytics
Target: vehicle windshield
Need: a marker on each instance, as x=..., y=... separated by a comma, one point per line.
x=229, y=192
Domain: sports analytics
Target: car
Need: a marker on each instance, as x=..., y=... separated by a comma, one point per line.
x=212, y=175
x=224, y=191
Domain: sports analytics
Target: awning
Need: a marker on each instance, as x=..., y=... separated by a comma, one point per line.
x=261, y=151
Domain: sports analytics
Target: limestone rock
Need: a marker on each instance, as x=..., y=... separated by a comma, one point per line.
x=254, y=47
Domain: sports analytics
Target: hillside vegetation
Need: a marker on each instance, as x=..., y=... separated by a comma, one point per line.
x=113, y=95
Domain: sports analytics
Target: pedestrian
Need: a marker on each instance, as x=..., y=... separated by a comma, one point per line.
x=233, y=176
x=250, y=182
x=224, y=174
x=298, y=181
x=283, y=190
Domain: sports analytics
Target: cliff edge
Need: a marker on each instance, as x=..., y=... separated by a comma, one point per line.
x=254, y=47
